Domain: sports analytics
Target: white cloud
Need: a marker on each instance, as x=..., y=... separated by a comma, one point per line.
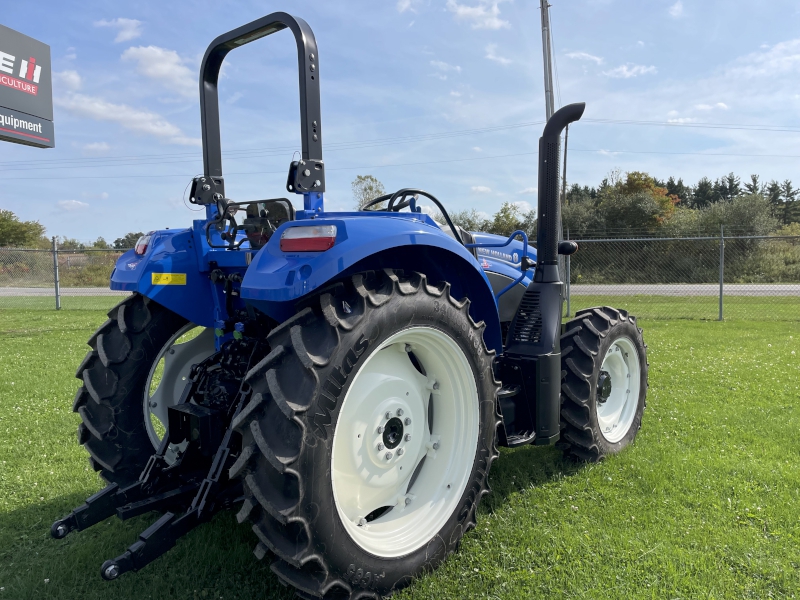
x=640, y=43
x=455, y=94
x=585, y=56
x=70, y=55
x=69, y=79
x=629, y=70
x=96, y=147
x=132, y=119
x=164, y=66
x=481, y=189
x=443, y=66
x=682, y=120
x=491, y=54
x=720, y=105
x=72, y=205
x=523, y=205
x=477, y=149
x=127, y=29
x=486, y=15
x=676, y=10
x=528, y=190
x=404, y=5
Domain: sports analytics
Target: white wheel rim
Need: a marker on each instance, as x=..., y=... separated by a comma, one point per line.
x=178, y=361
x=364, y=479
x=615, y=414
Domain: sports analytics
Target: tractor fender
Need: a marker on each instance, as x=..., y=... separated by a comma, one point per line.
x=276, y=280
x=169, y=273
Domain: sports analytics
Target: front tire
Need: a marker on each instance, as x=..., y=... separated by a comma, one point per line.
x=604, y=386
x=368, y=440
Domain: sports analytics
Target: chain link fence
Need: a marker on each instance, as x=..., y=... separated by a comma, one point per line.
x=740, y=277
x=56, y=278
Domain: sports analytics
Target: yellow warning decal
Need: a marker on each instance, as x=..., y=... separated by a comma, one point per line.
x=169, y=278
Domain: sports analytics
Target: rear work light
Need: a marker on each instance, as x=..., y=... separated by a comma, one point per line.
x=316, y=238
x=141, y=245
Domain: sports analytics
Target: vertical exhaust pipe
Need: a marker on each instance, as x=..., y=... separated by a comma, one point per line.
x=533, y=338
x=549, y=204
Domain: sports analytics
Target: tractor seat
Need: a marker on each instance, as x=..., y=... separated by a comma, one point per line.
x=466, y=236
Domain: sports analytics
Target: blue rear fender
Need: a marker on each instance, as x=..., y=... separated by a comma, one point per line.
x=187, y=291
x=276, y=280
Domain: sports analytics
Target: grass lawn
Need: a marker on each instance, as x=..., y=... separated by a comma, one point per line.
x=706, y=504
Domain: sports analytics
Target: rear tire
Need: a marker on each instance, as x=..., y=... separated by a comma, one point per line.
x=604, y=385
x=114, y=374
x=301, y=442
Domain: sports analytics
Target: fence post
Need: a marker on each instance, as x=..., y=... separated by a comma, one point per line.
x=568, y=278
x=721, y=266
x=55, y=273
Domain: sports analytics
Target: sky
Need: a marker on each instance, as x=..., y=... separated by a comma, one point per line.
x=444, y=95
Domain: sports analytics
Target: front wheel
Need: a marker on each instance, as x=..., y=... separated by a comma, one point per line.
x=604, y=387
x=368, y=441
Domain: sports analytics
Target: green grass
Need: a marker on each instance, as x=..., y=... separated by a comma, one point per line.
x=706, y=504
x=93, y=303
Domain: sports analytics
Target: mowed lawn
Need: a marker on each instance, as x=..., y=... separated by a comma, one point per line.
x=706, y=504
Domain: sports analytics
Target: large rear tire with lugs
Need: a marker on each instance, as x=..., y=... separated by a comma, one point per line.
x=123, y=393
x=604, y=385
x=369, y=437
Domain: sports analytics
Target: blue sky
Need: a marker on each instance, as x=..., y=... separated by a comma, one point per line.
x=128, y=128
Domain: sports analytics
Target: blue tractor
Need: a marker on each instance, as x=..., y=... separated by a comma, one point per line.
x=342, y=380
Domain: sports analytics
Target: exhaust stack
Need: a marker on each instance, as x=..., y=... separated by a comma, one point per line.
x=532, y=347
x=549, y=203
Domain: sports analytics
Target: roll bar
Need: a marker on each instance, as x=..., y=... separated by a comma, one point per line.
x=310, y=117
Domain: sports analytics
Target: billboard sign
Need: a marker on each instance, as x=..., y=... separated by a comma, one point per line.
x=26, y=90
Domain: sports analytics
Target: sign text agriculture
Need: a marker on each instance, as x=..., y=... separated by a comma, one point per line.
x=26, y=90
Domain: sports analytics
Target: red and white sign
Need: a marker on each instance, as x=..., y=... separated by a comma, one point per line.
x=28, y=73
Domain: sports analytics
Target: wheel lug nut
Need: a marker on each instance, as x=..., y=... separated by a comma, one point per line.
x=435, y=445
x=362, y=521
x=388, y=415
x=380, y=428
x=407, y=421
x=400, y=452
x=388, y=456
x=407, y=437
x=399, y=412
x=380, y=447
x=408, y=501
x=153, y=404
x=436, y=385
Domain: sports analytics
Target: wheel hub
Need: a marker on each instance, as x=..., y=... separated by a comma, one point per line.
x=393, y=433
x=603, y=387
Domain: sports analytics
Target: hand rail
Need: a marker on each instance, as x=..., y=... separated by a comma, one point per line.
x=510, y=239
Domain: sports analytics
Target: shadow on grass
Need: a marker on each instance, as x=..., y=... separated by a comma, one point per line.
x=518, y=469
x=213, y=561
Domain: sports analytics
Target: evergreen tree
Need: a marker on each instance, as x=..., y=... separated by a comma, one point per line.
x=773, y=193
x=732, y=187
x=678, y=189
x=790, y=203
x=753, y=187
x=703, y=193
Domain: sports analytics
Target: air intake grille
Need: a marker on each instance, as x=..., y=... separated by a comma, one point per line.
x=528, y=322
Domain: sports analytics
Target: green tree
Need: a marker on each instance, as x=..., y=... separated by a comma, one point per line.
x=101, y=244
x=128, y=241
x=506, y=220
x=703, y=194
x=790, y=203
x=753, y=187
x=366, y=188
x=773, y=193
x=470, y=220
x=678, y=189
x=14, y=232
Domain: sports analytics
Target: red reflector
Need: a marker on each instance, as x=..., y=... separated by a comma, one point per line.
x=311, y=238
x=315, y=244
x=141, y=245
